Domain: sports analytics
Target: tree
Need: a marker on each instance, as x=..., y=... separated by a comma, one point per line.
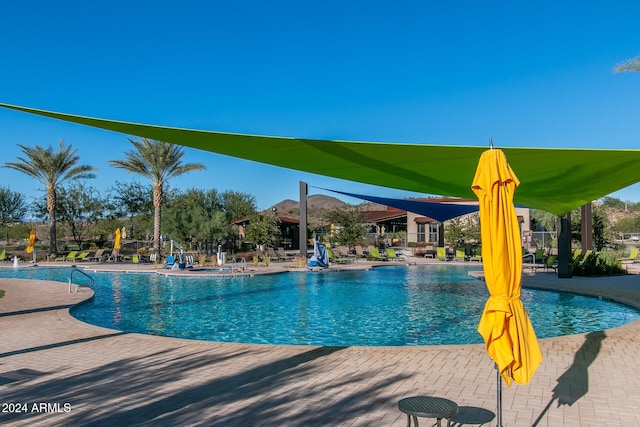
x=12, y=207
x=238, y=205
x=159, y=162
x=131, y=199
x=80, y=207
x=628, y=65
x=200, y=214
x=52, y=169
x=349, y=231
x=263, y=229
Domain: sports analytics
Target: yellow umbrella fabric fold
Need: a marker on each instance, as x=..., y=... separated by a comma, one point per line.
x=507, y=331
x=116, y=244
x=32, y=241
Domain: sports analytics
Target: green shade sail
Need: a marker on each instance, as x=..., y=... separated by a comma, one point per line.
x=554, y=180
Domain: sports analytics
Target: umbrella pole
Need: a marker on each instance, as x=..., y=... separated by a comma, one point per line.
x=499, y=397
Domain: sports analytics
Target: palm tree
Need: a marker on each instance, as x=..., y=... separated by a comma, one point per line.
x=51, y=168
x=157, y=161
x=630, y=65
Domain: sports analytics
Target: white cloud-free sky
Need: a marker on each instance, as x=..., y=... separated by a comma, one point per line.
x=454, y=73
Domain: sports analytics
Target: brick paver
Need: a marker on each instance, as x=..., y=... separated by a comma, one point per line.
x=70, y=373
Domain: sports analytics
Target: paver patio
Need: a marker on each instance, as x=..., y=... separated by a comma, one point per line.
x=71, y=373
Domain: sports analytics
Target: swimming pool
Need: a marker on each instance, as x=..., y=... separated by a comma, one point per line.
x=389, y=306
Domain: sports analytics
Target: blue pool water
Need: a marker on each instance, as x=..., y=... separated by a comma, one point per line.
x=389, y=306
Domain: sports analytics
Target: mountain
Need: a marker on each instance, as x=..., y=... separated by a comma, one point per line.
x=316, y=202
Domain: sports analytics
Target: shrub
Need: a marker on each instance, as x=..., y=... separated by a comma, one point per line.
x=601, y=263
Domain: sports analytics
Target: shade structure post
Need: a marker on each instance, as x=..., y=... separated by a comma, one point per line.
x=564, y=247
x=586, y=226
x=303, y=220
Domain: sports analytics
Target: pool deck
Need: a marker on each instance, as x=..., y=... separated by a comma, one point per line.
x=106, y=377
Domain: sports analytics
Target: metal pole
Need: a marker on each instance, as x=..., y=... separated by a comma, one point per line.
x=303, y=220
x=499, y=396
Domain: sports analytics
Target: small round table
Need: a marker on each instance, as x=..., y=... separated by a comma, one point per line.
x=428, y=407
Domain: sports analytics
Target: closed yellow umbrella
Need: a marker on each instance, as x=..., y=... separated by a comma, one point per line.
x=116, y=244
x=32, y=241
x=508, y=334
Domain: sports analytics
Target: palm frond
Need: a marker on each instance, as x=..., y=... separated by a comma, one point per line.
x=630, y=65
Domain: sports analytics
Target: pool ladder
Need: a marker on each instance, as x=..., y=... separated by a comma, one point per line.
x=74, y=270
x=234, y=265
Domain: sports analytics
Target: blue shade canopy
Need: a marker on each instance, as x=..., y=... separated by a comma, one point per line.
x=556, y=180
x=436, y=210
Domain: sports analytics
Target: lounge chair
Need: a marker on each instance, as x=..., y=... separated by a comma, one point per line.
x=337, y=260
x=477, y=255
x=632, y=258
x=280, y=252
x=273, y=255
x=360, y=252
x=460, y=255
x=442, y=253
x=343, y=252
x=135, y=259
x=115, y=255
x=98, y=256
x=71, y=256
x=429, y=251
x=586, y=255
x=3, y=255
x=551, y=262
x=374, y=254
x=81, y=256
x=392, y=255
x=535, y=259
x=576, y=255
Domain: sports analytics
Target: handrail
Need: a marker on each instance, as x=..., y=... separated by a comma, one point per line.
x=73, y=270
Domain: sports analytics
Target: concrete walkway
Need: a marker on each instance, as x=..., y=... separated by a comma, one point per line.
x=55, y=370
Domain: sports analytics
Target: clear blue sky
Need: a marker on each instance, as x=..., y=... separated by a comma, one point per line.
x=534, y=74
